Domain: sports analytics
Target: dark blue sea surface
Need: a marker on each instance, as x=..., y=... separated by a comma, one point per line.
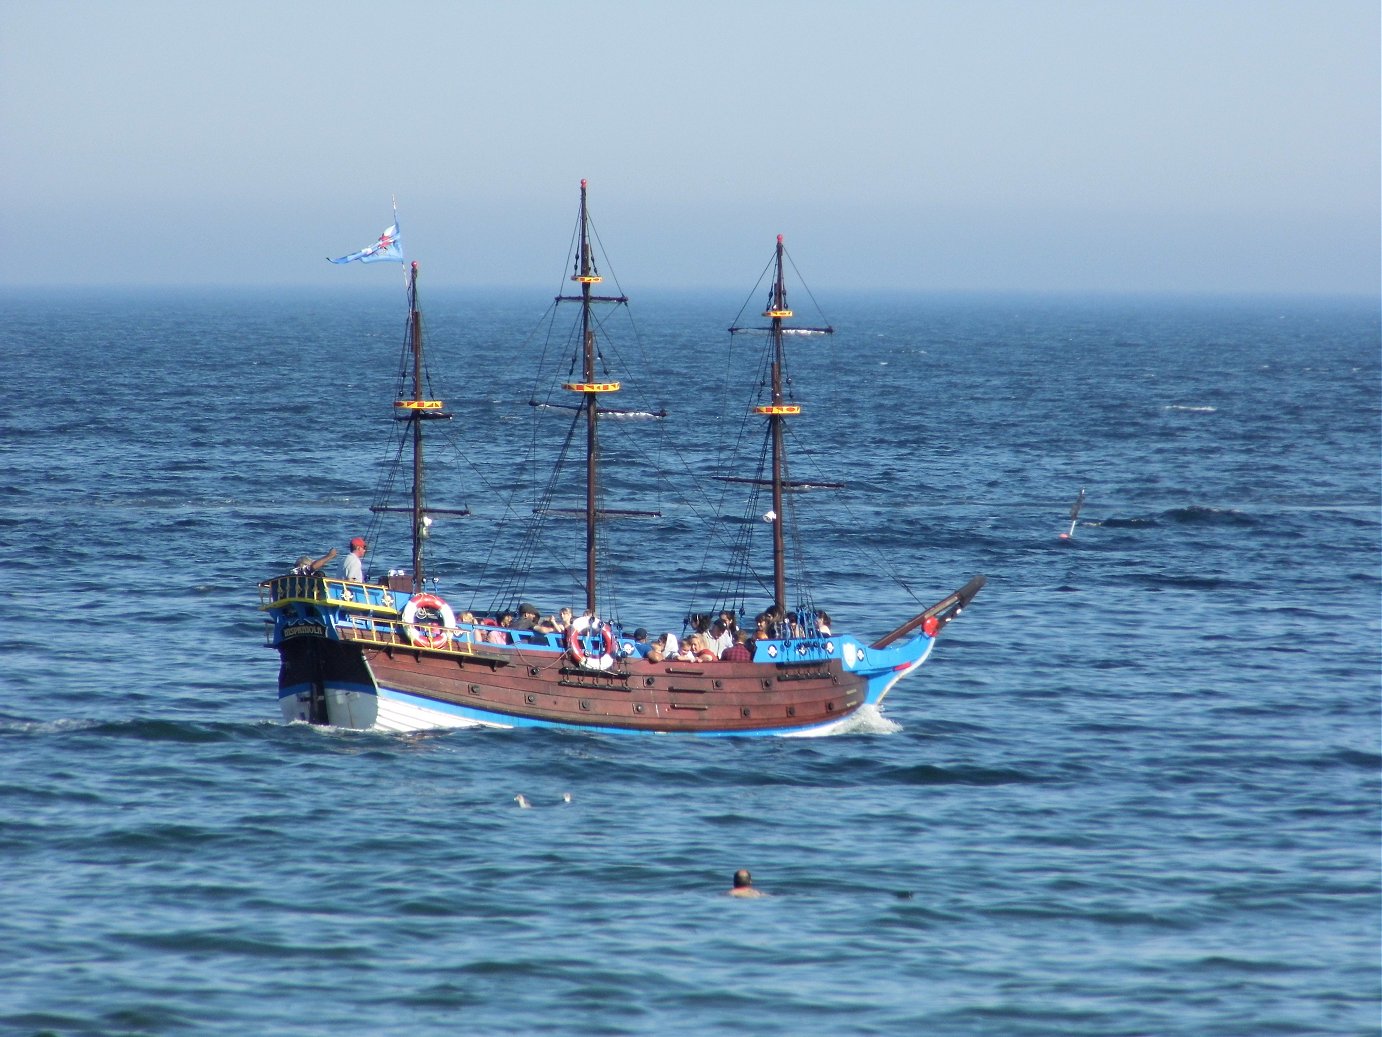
x=1135, y=790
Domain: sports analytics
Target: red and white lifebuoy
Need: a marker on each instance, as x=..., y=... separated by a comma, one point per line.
x=575, y=647
x=428, y=633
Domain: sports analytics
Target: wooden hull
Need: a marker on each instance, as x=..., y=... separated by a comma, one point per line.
x=415, y=688
x=633, y=696
x=346, y=661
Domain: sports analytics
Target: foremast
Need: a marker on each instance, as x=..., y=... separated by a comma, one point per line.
x=591, y=389
x=777, y=410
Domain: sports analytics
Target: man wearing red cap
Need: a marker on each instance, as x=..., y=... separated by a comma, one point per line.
x=352, y=568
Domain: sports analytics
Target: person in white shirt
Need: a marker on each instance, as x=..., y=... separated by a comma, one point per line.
x=719, y=637
x=352, y=568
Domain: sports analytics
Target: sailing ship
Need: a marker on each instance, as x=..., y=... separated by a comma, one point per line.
x=393, y=655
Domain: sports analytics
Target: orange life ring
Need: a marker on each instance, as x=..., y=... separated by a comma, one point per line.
x=428, y=635
x=575, y=647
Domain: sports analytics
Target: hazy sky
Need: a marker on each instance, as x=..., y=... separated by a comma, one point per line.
x=1206, y=145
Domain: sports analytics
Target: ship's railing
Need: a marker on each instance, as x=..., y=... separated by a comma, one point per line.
x=328, y=591
x=797, y=649
x=372, y=630
x=461, y=639
x=373, y=613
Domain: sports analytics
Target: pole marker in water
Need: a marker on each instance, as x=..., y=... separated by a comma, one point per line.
x=1074, y=514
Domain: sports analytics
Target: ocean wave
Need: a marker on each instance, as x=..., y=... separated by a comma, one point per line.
x=1198, y=515
x=1188, y=515
x=927, y=774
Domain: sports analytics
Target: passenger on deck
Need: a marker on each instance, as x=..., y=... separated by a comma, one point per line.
x=352, y=566
x=306, y=567
x=562, y=620
x=492, y=630
x=665, y=648
x=823, y=623
x=640, y=641
x=465, y=619
x=701, y=651
x=742, y=649
x=730, y=621
x=719, y=637
x=527, y=617
x=781, y=623
x=764, y=627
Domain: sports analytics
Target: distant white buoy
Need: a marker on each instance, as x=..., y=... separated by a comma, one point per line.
x=566, y=797
x=522, y=801
x=770, y=516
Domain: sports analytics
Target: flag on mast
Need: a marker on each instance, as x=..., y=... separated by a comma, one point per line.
x=388, y=249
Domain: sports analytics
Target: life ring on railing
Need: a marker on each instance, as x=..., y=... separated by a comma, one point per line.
x=576, y=648
x=428, y=635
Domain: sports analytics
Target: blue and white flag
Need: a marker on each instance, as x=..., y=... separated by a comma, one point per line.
x=388, y=249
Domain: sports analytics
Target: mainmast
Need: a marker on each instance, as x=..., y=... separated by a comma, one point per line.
x=587, y=276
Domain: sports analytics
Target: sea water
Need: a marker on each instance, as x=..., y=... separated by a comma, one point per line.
x=1134, y=790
